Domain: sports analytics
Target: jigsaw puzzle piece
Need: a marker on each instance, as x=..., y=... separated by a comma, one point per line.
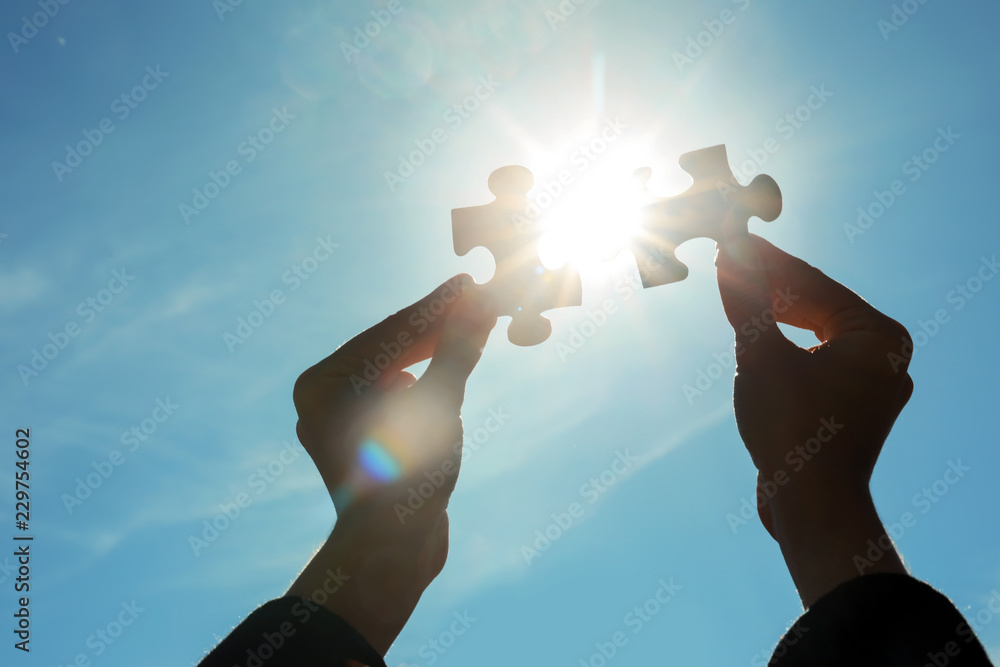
x=521, y=286
x=716, y=206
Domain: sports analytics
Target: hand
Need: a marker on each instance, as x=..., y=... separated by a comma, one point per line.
x=814, y=421
x=374, y=432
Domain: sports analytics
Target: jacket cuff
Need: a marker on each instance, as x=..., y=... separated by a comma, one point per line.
x=293, y=631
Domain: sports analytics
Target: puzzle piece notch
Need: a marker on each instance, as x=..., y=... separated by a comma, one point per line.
x=716, y=206
x=521, y=286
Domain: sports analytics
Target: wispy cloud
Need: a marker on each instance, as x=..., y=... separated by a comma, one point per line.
x=21, y=286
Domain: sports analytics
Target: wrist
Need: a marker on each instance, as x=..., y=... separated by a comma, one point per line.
x=827, y=537
x=809, y=512
x=379, y=575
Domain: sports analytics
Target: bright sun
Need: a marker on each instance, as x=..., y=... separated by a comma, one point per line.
x=590, y=220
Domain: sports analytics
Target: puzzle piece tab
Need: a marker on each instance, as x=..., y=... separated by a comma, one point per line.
x=521, y=286
x=716, y=206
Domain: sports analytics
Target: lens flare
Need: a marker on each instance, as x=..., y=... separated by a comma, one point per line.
x=596, y=215
x=377, y=462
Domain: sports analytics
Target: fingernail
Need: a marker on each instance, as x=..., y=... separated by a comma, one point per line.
x=463, y=281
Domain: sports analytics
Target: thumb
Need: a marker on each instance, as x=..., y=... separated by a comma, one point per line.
x=746, y=294
x=460, y=343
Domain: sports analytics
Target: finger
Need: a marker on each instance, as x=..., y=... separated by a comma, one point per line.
x=404, y=380
x=806, y=297
x=401, y=340
x=746, y=297
x=460, y=344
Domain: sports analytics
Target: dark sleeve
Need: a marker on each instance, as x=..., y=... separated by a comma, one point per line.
x=292, y=631
x=889, y=620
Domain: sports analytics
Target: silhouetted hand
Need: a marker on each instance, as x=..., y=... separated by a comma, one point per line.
x=375, y=432
x=814, y=421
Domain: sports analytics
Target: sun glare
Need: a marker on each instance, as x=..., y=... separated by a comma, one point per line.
x=593, y=212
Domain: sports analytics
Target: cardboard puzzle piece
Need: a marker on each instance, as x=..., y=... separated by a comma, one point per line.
x=716, y=206
x=521, y=286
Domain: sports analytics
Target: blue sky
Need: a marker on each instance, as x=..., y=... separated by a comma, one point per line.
x=297, y=133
